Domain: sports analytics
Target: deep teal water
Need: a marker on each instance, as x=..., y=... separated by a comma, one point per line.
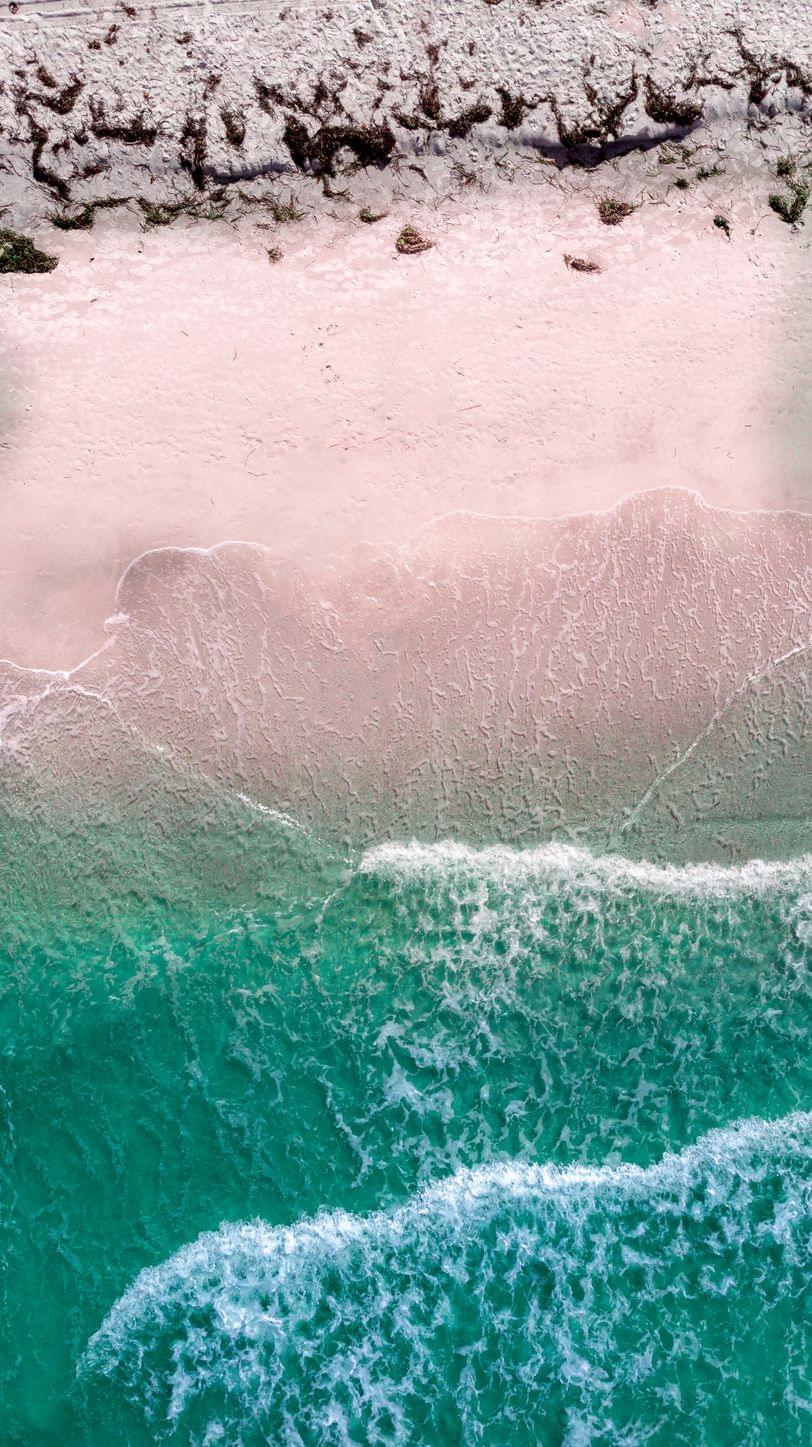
x=434, y=1146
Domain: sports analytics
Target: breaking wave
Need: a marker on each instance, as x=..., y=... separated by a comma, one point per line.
x=509, y=1303
x=561, y=864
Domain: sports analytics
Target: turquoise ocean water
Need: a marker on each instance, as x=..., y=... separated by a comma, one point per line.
x=422, y=1145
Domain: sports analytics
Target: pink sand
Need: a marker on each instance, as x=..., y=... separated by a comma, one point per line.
x=176, y=388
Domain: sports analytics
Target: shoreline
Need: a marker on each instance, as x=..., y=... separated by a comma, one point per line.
x=405, y=1024
x=630, y=680
x=336, y=561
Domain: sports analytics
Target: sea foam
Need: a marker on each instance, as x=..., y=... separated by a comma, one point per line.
x=558, y=865
x=498, y=1301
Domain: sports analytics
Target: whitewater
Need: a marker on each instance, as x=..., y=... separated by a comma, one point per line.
x=509, y=1303
x=432, y=1144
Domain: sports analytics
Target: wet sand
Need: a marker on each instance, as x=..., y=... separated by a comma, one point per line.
x=635, y=679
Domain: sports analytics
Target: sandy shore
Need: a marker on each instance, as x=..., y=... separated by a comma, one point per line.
x=635, y=679
x=506, y=538
x=173, y=387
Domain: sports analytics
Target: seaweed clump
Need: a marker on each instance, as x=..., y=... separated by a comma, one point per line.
x=667, y=109
x=77, y=221
x=410, y=242
x=371, y=145
x=612, y=211
x=163, y=213
x=581, y=263
x=285, y=212
x=18, y=253
x=83, y=219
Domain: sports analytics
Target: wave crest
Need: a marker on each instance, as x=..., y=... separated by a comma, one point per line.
x=563, y=864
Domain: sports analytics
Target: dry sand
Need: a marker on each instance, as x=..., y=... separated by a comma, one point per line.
x=174, y=387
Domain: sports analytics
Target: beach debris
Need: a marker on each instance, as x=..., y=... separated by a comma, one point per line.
x=612, y=211
x=370, y=217
x=581, y=263
x=18, y=253
x=466, y=176
x=722, y=224
x=275, y=253
x=410, y=241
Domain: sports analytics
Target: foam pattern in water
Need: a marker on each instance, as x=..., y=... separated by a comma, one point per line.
x=533, y=1029
x=506, y=1304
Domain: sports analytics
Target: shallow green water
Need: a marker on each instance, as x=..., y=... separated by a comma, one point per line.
x=416, y=1150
